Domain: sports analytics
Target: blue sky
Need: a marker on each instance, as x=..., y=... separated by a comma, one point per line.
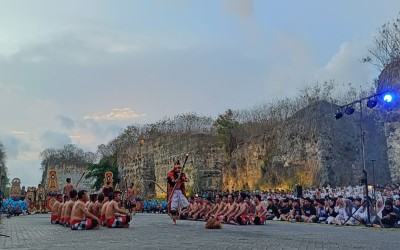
x=81, y=71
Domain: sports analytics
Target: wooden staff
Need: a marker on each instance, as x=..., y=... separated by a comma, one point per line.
x=153, y=181
x=84, y=172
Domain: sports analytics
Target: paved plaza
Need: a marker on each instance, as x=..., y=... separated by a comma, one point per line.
x=155, y=231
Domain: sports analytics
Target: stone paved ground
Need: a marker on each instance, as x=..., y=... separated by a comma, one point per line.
x=154, y=231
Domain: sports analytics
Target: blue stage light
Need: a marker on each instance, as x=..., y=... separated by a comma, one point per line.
x=388, y=98
x=338, y=114
x=349, y=110
x=372, y=103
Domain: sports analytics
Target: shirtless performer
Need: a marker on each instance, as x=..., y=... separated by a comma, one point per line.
x=131, y=202
x=115, y=216
x=240, y=216
x=231, y=208
x=222, y=206
x=185, y=212
x=54, y=211
x=68, y=187
x=62, y=209
x=81, y=219
x=103, y=209
x=73, y=194
x=92, y=204
x=201, y=214
x=218, y=204
x=260, y=209
x=99, y=205
x=194, y=207
x=199, y=206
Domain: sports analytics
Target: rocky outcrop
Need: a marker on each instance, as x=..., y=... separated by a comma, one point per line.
x=389, y=81
x=311, y=148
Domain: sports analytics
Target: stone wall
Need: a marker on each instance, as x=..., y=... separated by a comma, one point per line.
x=67, y=170
x=147, y=163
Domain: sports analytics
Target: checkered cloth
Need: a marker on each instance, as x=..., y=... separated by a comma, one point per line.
x=83, y=225
x=117, y=222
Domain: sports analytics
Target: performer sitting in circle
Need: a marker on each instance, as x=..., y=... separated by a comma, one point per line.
x=68, y=207
x=176, y=182
x=81, y=219
x=115, y=216
x=61, y=209
x=54, y=211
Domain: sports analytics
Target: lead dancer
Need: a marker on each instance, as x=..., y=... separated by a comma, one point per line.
x=176, y=191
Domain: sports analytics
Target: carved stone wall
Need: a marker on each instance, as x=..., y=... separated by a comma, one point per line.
x=150, y=162
x=66, y=170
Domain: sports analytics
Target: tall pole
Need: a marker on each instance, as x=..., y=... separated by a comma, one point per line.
x=373, y=178
x=362, y=137
x=363, y=165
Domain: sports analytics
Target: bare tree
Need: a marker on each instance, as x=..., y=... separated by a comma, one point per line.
x=386, y=45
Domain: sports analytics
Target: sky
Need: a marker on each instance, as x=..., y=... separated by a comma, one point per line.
x=79, y=71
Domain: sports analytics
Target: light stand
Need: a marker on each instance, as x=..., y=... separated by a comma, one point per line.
x=348, y=110
x=365, y=178
x=373, y=179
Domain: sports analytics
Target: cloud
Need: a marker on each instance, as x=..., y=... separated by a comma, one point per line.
x=242, y=7
x=51, y=139
x=13, y=145
x=19, y=133
x=345, y=66
x=66, y=121
x=291, y=67
x=8, y=89
x=27, y=169
x=115, y=114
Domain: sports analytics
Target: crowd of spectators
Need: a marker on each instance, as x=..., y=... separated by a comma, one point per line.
x=338, y=206
x=14, y=206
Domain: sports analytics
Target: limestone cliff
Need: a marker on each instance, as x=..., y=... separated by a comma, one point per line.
x=311, y=148
x=389, y=81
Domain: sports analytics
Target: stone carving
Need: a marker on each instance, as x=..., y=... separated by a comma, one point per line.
x=67, y=170
x=40, y=199
x=108, y=177
x=52, y=189
x=30, y=196
x=15, y=187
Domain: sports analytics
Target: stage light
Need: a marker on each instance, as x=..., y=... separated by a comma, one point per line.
x=372, y=103
x=388, y=98
x=349, y=110
x=338, y=114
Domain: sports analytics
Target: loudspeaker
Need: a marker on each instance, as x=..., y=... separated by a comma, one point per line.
x=298, y=191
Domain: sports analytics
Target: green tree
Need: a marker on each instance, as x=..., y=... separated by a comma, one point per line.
x=3, y=169
x=98, y=170
x=225, y=125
